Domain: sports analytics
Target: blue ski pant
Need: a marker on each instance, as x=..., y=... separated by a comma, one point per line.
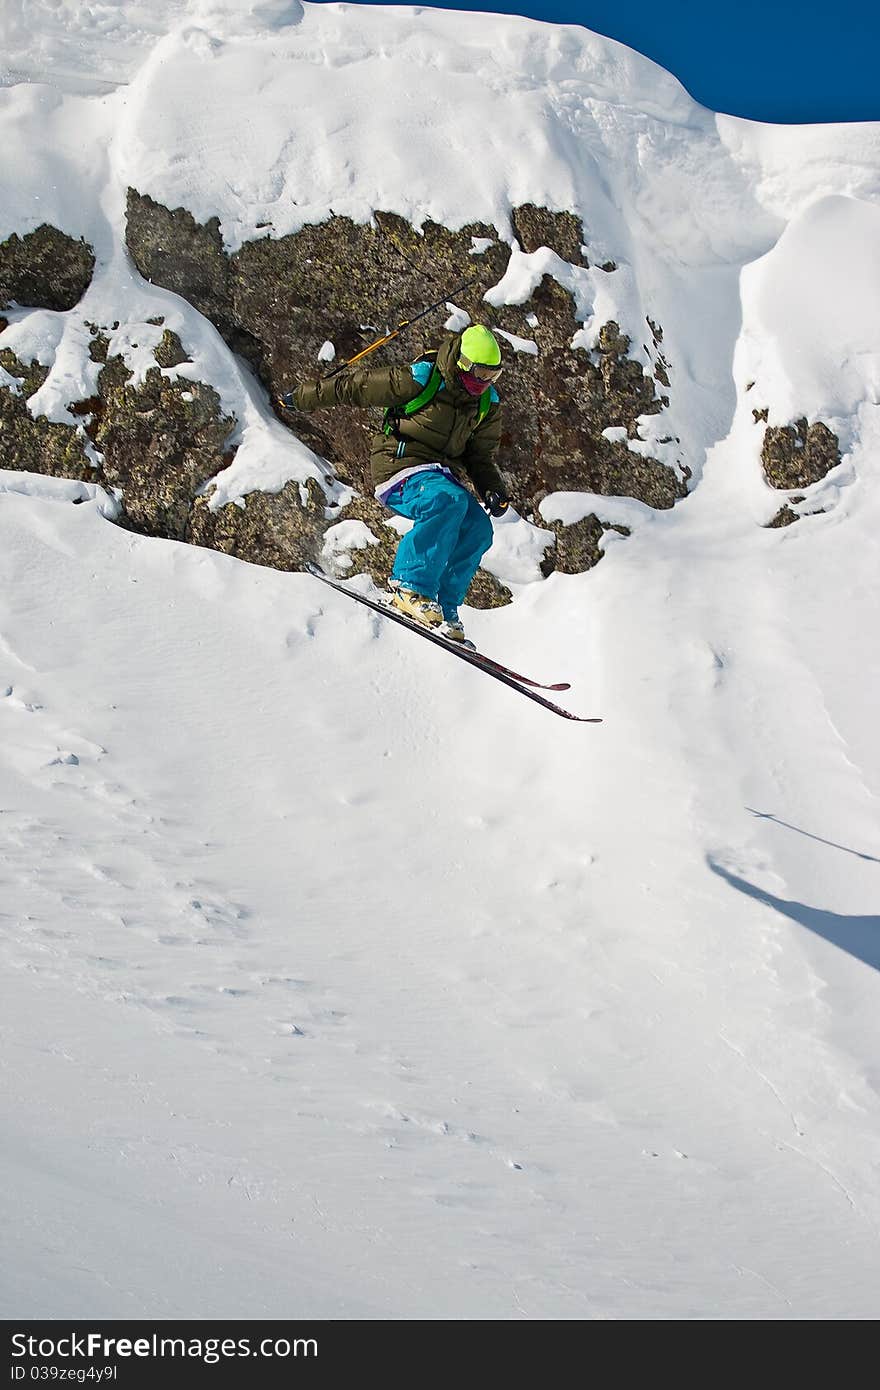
x=440, y=555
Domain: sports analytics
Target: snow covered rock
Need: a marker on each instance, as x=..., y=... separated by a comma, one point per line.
x=170, y=351
x=578, y=545
x=170, y=248
x=32, y=443
x=798, y=455
x=160, y=443
x=562, y=232
x=277, y=300
x=282, y=530
x=44, y=269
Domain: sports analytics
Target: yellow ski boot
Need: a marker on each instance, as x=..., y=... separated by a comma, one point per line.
x=418, y=607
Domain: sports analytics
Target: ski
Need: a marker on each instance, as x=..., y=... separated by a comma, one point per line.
x=438, y=636
x=484, y=659
x=483, y=663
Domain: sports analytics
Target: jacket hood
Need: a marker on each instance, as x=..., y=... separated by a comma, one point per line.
x=448, y=354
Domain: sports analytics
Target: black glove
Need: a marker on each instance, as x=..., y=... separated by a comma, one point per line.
x=286, y=400
x=496, y=503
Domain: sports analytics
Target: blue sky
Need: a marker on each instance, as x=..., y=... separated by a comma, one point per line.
x=770, y=60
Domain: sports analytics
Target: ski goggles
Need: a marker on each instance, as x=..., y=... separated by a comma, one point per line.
x=479, y=369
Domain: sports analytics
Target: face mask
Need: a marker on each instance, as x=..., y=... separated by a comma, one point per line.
x=472, y=384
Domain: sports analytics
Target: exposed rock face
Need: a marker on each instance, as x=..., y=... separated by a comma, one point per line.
x=560, y=231
x=161, y=442
x=34, y=445
x=170, y=351
x=375, y=560
x=44, y=269
x=487, y=592
x=278, y=300
x=282, y=530
x=797, y=455
x=577, y=546
x=784, y=517
x=558, y=403
x=183, y=255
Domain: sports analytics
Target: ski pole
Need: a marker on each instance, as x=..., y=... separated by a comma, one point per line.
x=380, y=342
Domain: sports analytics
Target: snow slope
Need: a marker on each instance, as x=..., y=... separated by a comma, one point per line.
x=337, y=979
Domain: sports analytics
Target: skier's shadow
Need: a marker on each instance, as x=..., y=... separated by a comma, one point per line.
x=860, y=936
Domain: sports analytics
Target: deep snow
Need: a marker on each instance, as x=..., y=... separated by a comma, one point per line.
x=337, y=979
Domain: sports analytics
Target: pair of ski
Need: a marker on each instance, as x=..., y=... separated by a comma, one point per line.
x=524, y=684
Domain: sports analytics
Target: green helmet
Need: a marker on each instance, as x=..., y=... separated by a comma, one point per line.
x=480, y=346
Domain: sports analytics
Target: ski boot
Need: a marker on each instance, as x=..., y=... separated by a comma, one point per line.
x=418, y=607
x=453, y=629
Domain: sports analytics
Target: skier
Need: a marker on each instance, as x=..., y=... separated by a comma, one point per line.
x=442, y=426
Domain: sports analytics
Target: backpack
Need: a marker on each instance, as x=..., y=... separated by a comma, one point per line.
x=395, y=413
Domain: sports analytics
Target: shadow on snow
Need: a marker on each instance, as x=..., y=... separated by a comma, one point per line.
x=859, y=935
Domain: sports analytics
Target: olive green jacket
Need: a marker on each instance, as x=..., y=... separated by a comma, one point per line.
x=445, y=431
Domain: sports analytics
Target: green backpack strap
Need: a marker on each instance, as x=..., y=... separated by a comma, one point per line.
x=394, y=413
x=432, y=386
